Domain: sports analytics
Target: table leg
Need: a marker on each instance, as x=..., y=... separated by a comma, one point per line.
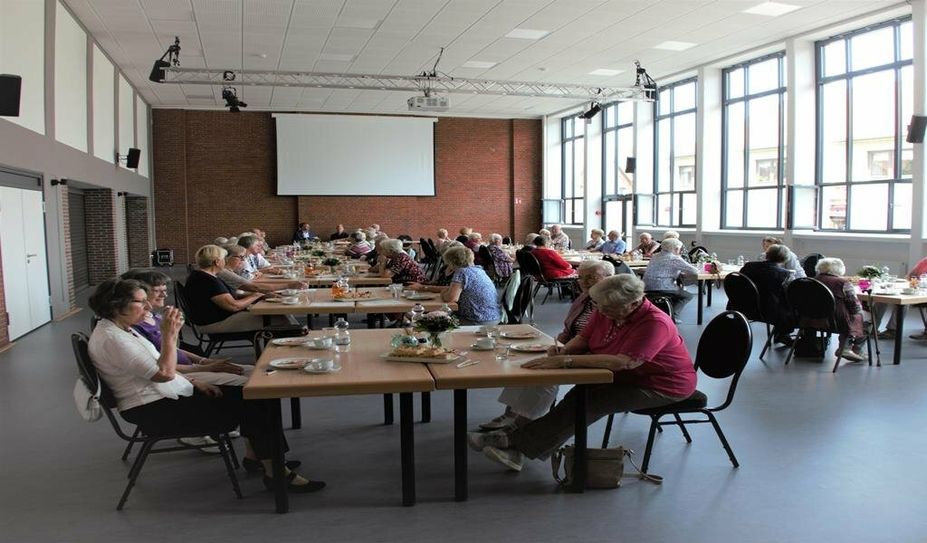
x=460, y=445
x=900, y=312
x=371, y=320
x=701, y=297
x=387, y=409
x=426, y=406
x=708, y=287
x=579, y=440
x=280, y=498
x=407, y=449
x=296, y=413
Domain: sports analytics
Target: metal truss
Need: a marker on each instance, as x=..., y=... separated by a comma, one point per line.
x=421, y=83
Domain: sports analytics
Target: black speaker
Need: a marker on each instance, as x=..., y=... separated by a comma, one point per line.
x=132, y=157
x=630, y=165
x=916, y=129
x=10, y=90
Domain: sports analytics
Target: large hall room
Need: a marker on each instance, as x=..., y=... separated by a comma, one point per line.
x=473, y=270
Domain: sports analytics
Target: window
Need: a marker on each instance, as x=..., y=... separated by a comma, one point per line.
x=573, y=176
x=752, y=144
x=617, y=147
x=865, y=96
x=673, y=199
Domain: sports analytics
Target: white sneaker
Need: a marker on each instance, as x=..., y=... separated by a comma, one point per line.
x=502, y=421
x=510, y=458
x=851, y=356
x=480, y=440
x=204, y=441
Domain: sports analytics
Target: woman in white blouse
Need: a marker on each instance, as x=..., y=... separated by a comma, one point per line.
x=151, y=393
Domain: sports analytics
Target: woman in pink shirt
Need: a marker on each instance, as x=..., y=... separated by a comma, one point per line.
x=627, y=335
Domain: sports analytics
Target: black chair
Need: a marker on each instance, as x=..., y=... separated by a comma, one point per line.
x=489, y=264
x=722, y=353
x=663, y=302
x=810, y=262
x=506, y=240
x=207, y=343
x=743, y=296
x=620, y=265
x=696, y=252
x=261, y=339
x=88, y=374
x=530, y=266
x=814, y=306
x=522, y=305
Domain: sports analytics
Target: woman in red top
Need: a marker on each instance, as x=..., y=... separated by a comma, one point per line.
x=553, y=266
x=626, y=334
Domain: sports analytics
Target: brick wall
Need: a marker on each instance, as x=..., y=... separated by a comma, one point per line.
x=137, y=231
x=215, y=174
x=100, y=210
x=65, y=205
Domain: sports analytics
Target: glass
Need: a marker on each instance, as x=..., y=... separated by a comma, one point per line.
x=735, y=145
x=734, y=210
x=762, y=208
x=684, y=97
x=833, y=132
x=763, y=76
x=869, y=207
x=688, y=209
x=874, y=129
x=684, y=149
x=664, y=209
x=906, y=37
x=664, y=148
x=834, y=207
x=901, y=208
x=764, y=141
x=835, y=58
x=502, y=351
x=873, y=48
x=735, y=83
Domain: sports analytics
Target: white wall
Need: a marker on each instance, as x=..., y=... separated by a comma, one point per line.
x=141, y=135
x=104, y=107
x=22, y=52
x=70, y=81
x=126, y=117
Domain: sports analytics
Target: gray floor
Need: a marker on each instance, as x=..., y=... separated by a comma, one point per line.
x=823, y=457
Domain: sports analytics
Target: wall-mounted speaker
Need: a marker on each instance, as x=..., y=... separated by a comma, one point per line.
x=630, y=165
x=10, y=90
x=132, y=157
x=916, y=129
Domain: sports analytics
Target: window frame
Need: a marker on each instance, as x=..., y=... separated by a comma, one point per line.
x=568, y=204
x=676, y=196
x=745, y=99
x=848, y=76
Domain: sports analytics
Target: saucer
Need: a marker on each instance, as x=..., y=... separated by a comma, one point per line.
x=476, y=347
x=335, y=369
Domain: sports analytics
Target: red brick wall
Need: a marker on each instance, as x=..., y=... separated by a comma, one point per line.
x=100, y=211
x=65, y=204
x=137, y=231
x=215, y=174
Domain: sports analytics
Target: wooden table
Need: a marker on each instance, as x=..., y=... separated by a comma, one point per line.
x=490, y=373
x=709, y=277
x=363, y=372
x=325, y=280
x=901, y=303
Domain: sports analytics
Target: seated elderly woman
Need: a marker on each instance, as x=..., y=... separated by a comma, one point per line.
x=501, y=261
x=625, y=334
x=598, y=238
x=668, y=272
x=152, y=393
x=524, y=404
x=791, y=263
x=472, y=290
x=771, y=279
x=848, y=312
x=233, y=273
x=212, y=304
x=553, y=266
x=443, y=240
x=474, y=241
x=529, y=242
x=464, y=236
x=359, y=246
x=394, y=263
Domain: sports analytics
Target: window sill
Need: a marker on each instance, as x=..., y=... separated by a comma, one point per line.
x=890, y=238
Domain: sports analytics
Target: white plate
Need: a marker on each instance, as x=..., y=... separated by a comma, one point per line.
x=531, y=348
x=476, y=347
x=417, y=297
x=519, y=335
x=289, y=341
x=289, y=363
x=288, y=292
x=335, y=369
x=284, y=302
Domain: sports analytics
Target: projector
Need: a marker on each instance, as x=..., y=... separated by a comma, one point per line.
x=429, y=103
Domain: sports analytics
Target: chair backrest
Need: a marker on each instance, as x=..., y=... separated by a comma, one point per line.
x=523, y=302
x=506, y=240
x=724, y=349
x=663, y=302
x=620, y=265
x=743, y=296
x=94, y=320
x=697, y=251
x=809, y=262
x=263, y=337
x=489, y=264
x=529, y=265
x=811, y=299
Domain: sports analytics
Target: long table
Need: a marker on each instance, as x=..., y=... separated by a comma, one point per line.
x=901, y=303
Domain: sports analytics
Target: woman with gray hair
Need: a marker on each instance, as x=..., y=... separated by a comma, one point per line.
x=625, y=334
x=501, y=261
x=394, y=263
x=471, y=289
x=848, y=313
x=359, y=246
x=524, y=404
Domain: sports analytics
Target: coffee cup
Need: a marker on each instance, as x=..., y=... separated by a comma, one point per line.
x=486, y=343
x=321, y=364
x=324, y=342
x=908, y=290
x=290, y=300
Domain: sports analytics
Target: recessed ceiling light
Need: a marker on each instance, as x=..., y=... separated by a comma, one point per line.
x=605, y=72
x=675, y=45
x=771, y=9
x=349, y=22
x=527, y=34
x=336, y=57
x=478, y=64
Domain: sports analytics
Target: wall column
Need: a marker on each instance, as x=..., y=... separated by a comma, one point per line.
x=101, y=215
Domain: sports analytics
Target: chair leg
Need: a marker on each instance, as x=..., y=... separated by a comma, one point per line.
x=840, y=346
x=135, y=471
x=232, y=453
x=387, y=409
x=132, y=441
x=426, y=406
x=550, y=290
x=792, y=348
x=296, y=413
x=608, y=430
x=724, y=443
x=768, y=343
x=209, y=347
x=682, y=426
x=224, y=448
x=654, y=424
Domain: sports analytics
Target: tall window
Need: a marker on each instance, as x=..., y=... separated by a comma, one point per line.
x=617, y=146
x=752, y=148
x=865, y=97
x=573, y=169
x=674, y=152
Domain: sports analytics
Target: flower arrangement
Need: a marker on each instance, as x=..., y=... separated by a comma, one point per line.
x=869, y=272
x=434, y=324
x=318, y=252
x=331, y=261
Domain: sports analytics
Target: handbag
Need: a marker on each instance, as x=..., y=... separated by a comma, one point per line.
x=604, y=467
x=87, y=403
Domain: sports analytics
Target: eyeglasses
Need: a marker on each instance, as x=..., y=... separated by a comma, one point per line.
x=159, y=291
x=143, y=302
x=239, y=257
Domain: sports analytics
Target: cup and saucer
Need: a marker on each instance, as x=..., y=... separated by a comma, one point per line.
x=321, y=366
x=484, y=344
x=320, y=343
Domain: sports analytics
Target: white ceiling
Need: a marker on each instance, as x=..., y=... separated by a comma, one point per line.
x=402, y=37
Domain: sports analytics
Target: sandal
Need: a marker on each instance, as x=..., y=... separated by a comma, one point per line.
x=311, y=486
x=922, y=335
x=256, y=466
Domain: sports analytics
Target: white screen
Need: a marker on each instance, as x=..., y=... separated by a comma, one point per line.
x=353, y=155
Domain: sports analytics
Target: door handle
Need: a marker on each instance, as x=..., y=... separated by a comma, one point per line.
x=31, y=255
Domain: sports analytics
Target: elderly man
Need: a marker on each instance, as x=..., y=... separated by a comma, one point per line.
x=558, y=240
x=303, y=233
x=339, y=233
x=665, y=272
x=647, y=245
x=255, y=261
x=615, y=245
x=235, y=264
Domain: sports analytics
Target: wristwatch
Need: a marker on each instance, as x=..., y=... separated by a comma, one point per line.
x=568, y=362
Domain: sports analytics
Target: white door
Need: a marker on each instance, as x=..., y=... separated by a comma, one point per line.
x=25, y=265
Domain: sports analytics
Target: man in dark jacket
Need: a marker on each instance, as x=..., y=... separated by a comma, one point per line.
x=771, y=279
